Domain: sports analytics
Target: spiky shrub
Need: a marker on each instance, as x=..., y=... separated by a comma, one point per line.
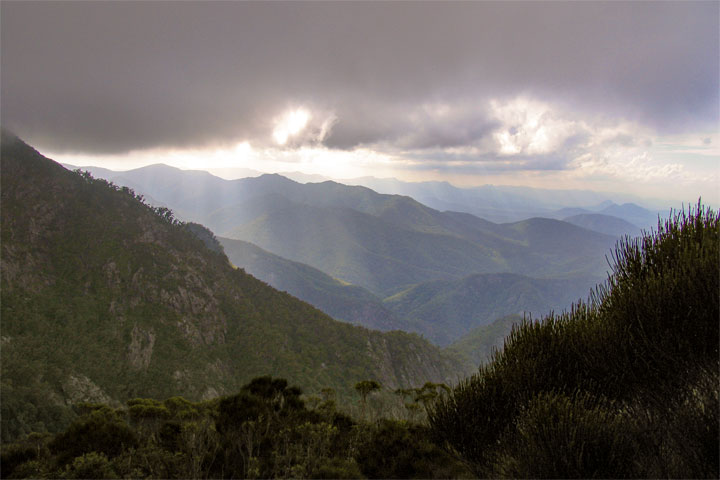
x=643, y=336
x=663, y=297
x=574, y=436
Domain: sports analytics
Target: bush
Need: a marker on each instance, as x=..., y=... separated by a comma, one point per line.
x=90, y=465
x=561, y=436
x=643, y=340
x=396, y=449
x=103, y=431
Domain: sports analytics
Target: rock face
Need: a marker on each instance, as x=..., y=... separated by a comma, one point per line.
x=79, y=388
x=141, y=347
x=105, y=299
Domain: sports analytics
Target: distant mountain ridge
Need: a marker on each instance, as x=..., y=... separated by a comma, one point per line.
x=479, y=344
x=606, y=224
x=494, y=202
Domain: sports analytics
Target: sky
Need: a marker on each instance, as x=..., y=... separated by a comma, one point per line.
x=605, y=96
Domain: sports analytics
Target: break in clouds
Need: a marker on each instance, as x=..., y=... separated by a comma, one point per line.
x=515, y=85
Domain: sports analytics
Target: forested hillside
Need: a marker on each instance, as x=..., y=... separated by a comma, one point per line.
x=105, y=298
x=441, y=310
x=445, y=310
x=341, y=301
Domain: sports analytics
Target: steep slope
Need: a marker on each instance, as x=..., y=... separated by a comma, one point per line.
x=104, y=298
x=446, y=310
x=341, y=301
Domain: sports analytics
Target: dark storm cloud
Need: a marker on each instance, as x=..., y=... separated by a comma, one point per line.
x=115, y=76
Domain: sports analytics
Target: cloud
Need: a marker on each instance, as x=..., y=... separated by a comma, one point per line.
x=299, y=127
x=120, y=76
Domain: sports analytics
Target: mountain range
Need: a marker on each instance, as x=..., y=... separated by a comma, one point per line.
x=607, y=224
x=504, y=203
x=354, y=253
x=446, y=310
x=384, y=243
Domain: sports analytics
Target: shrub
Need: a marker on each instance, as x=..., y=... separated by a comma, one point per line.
x=561, y=436
x=90, y=465
x=643, y=339
x=100, y=432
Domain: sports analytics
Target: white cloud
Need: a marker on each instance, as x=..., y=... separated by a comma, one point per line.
x=299, y=127
x=530, y=127
x=290, y=124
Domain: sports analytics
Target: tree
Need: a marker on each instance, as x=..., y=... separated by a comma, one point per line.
x=365, y=388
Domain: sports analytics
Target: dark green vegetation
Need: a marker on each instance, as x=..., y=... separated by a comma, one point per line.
x=105, y=299
x=625, y=385
x=267, y=430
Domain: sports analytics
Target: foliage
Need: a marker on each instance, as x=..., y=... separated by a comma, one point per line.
x=561, y=436
x=365, y=388
x=396, y=449
x=265, y=430
x=641, y=348
x=103, y=431
x=90, y=465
